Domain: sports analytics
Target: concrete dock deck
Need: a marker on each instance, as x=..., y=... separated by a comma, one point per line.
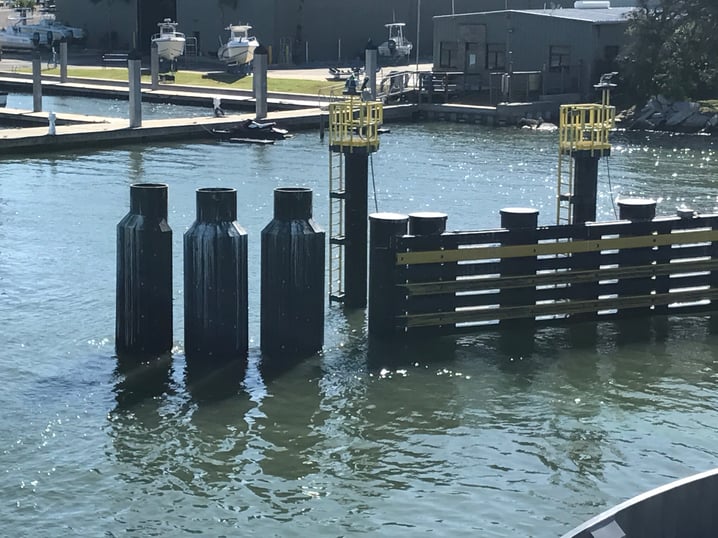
x=292, y=111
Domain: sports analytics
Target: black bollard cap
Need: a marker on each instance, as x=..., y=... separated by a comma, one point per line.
x=519, y=217
x=384, y=226
x=149, y=199
x=427, y=223
x=217, y=204
x=637, y=209
x=292, y=203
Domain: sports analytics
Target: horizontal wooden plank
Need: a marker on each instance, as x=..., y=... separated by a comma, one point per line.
x=556, y=309
x=557, y=278
x=546, y=249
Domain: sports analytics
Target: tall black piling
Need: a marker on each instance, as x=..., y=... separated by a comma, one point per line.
x=292, y=287
x=428, y=223
x=383, y=292
x=215, y=279
x=640, y=211
x=143, y=323
x=356, y=173
x=522, y=222
x=585, y=184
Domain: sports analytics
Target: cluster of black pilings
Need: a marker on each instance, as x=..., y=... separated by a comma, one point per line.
x=216, y=280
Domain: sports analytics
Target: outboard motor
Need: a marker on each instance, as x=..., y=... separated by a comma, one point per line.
x=392, y=47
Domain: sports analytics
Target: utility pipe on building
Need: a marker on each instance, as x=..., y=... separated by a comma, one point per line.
x=418, y=24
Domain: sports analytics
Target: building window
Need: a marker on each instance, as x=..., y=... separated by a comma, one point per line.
x=558, y=59
x=448, y=54
x=610, y=52
x=495, y=56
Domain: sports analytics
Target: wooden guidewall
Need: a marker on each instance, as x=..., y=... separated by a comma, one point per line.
x=462, y=281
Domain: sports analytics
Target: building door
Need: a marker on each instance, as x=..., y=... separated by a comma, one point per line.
x=473, y=63
x=149, y=13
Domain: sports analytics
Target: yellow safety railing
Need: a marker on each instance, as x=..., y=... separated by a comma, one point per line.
x=585, y=127
x=354, y=123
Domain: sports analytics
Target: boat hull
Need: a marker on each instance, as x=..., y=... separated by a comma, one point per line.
x=395, y=51
x=170, y=49
x=13, y=41
x=685, y=507
x=236, y=53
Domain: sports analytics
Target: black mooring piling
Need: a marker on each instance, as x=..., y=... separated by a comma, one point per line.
x=585, y=185
x=382, y=261
x=427, y=223
x=215, y=279
x=641, y=211
x=143, y=323
x=292, y=287
x=522, y=222
x=356, y=170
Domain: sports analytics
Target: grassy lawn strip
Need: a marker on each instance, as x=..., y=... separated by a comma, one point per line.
x=213, y=80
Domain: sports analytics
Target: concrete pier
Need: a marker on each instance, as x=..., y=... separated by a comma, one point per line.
x=134, y=69
x=259, y=82
x=36, y=81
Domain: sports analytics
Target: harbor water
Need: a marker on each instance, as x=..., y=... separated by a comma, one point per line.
x=460, y=436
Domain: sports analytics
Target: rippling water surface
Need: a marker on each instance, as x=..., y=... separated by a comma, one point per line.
x=454, y=437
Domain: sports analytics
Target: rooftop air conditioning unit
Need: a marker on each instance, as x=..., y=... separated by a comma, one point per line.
x=592, y=4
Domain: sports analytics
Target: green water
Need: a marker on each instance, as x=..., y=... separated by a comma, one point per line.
x=461, y=436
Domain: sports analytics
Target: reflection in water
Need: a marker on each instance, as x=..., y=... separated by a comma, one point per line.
x=211, y=380
x=139, y=380
x=136, y=172
x=511, y=436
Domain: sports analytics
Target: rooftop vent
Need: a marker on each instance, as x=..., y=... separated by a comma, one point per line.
x=592, y=4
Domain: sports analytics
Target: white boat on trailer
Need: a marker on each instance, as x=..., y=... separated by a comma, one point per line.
x=45, y=27
x=170, y=42
x=396, y=46
x=11, y=39
x=238, y=51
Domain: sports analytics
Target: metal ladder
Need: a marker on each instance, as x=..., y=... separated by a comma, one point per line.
x=564, y=206
x=337, y=195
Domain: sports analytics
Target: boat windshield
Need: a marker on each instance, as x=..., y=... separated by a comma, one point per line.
x=239, y=32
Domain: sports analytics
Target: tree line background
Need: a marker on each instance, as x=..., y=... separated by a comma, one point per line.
x=671, y=50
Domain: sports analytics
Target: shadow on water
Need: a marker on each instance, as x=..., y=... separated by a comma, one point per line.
x=289, y=415
x=213, y=381
x=140, y=379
